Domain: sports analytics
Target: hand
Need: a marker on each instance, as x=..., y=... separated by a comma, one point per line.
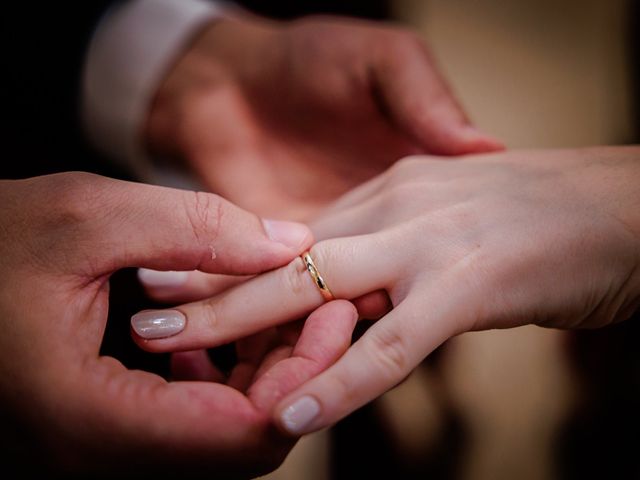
x=550, y=238
x=61, y=238
x=282, y=118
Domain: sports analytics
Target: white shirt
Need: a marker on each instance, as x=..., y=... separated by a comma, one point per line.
x=130, y=52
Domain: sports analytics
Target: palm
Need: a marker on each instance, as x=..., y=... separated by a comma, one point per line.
x=283, y=120
x=291, y=160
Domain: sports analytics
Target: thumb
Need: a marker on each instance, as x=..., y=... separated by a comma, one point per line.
x=419, y=101
x=171, y=229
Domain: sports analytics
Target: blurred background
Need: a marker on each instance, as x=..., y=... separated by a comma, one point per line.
x=527, y=403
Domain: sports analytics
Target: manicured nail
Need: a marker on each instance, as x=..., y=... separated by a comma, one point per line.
x=151, y=324
x=156, y=278
x=291, y=234
x=297, y=417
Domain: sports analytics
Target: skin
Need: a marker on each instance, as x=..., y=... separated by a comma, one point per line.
x=549, y=237
x=359, y=95
x=281, y=118
x=72, y=411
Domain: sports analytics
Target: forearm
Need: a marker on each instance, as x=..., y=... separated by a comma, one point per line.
x=130, y=52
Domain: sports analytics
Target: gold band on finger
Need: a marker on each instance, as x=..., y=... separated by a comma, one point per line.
x=317, y=278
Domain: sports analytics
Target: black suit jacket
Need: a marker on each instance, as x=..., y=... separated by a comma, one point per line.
x=44, y=45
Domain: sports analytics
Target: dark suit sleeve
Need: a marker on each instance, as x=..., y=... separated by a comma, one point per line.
x=44, y=45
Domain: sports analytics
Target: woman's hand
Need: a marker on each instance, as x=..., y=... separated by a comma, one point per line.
x=65, y=406
x=491, y=241
x=283, y=117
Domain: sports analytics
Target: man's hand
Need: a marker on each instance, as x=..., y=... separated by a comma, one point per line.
x=61, y=238
x=282, y=118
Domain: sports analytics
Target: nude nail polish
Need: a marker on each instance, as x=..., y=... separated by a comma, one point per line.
x=297, y=417
x=153, y=324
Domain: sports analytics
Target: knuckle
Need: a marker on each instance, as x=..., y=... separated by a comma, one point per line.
x=405, y=169
x=411, y=162
x=399, y=195
x=465, y=238
x=344, y=388
x=294, y=277
x=204, y=212
x=390, y=352
x=76, y=198
x=329, y=253
x=64, y=209
x=325, y=253
x=461, y=221
x=209, y=314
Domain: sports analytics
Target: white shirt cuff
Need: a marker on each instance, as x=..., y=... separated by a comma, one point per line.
x=129, y=54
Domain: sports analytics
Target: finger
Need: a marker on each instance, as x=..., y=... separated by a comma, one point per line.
x=160, y=426
x=250, y=351
x=384, y=355
x=194, y=366
x=325, y=337
x=180, y=287
x=374, y=305
x=171, y=229
x=351, y=267
x=288, y=335
x=274, y=357
x=419, y=101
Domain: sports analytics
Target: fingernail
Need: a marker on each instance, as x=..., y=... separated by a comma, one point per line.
x=151, y=324
x=291, y=234
x=156, y=278
x=297, y=417
x=472, y=133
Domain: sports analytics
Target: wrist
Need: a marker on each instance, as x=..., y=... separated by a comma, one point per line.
x=226, y=60
x=129, y=53
x=613, y=176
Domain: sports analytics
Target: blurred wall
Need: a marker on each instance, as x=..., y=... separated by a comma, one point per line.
x=537, y=73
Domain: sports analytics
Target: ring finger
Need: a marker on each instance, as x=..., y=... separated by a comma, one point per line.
x=352, y=267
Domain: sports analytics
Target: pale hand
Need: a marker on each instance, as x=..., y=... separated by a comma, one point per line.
x=550, y=238
x=76, y=412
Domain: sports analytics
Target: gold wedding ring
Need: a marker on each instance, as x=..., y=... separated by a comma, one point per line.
x=317, y=278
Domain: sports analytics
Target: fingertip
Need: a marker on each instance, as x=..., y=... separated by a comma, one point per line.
x=299, y=416
x=293, y=235
x=327, y=332
x=477, y=141
x=339, y=315
x=345, y=307
x=460, y=140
